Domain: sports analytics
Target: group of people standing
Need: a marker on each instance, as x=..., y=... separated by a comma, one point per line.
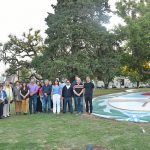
x=46, y=97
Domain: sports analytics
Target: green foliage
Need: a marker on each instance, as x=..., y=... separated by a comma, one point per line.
x=136, y=35
x=24, y=74
x=106, y=63
x=18, y=52
x=77, y=40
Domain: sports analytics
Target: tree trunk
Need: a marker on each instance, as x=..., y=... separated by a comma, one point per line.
x=106, y=85
x=138, y=84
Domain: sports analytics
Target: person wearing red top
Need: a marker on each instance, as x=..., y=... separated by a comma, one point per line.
x=39, y=103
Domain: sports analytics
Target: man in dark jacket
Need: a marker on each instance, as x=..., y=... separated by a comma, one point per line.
x=88, y=94
x=67, y=93
x=3, y=97
x=46, y=89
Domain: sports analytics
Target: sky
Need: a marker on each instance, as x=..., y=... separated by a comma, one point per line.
x=18, y=16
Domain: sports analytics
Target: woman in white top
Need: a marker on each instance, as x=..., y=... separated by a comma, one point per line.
x=9, y=93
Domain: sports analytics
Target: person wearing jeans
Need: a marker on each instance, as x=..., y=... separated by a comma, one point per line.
x=75, y=99
x=88, y=94
x=56, y=96
x=67, y=93
x=33, y=89
x=46, y=90
x=9, y=93
x=3, y=97
x=78, y=91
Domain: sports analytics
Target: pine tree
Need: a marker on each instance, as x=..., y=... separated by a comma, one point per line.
x=72, y=34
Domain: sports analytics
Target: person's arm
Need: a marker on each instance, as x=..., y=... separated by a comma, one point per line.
x=75, y=92
x=52, y=93
x=14, y=97
x=72, y=93
x=27, y=94
x=93, y=87
x=21, y=94
x=60, y=92
x=11, y=94
x=43, y=90
x=84, y=88
x=81, y=92
x=49, y=91
x=5, y=96
x=40, y=92
x=37, y=88
x=63, y=91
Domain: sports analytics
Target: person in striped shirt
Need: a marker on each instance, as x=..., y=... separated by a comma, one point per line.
x=78, y=89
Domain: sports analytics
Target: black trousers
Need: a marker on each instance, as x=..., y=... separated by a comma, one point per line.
x=88, y=101
x=1, y=109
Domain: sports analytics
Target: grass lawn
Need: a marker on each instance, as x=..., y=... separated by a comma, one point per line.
x=98, y=92
x=70, y=132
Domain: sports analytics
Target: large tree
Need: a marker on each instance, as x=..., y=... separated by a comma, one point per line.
x=19, y=52
x=76, y=37
x=136, y=36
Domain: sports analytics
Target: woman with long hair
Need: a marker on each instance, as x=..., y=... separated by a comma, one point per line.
x=24, y=92
x=39, y=93
x=56, y=96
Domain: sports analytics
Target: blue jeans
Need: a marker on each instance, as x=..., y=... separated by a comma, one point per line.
x=33, y=100
x=79, y=101
x=1, y=109
x=68, y=100
x=46, y=100
x=75, y=103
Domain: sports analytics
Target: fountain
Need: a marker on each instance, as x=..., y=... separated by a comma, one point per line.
x=125, y=106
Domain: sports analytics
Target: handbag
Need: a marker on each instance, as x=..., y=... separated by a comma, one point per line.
x=11, y=101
